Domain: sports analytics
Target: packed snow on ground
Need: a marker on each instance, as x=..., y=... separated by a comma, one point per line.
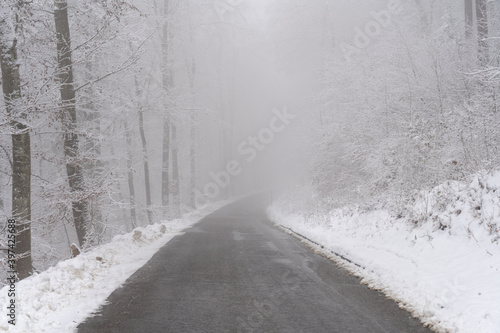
x=58, y=299
x=441, y=262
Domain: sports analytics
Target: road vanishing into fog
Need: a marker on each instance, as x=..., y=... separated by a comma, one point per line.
x=236, y=272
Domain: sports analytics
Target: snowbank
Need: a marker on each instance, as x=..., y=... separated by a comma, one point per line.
x=441, y=262
x=58, y=299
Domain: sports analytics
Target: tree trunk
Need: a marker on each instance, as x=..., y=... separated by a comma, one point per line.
x=469, y=18
x=165, y=182
x=175, y=174
x=482, y=31
x=169, y=126
x=192, y=160
x=123, y=215
x=94, y=167
x=224, y=121
x=191, y=71
x=21, y=153
x=165, y=186
x=147, y=183
x=175, y=188
x=192, y=135
x=130, y=173
x=74, y=167
x=230, y=131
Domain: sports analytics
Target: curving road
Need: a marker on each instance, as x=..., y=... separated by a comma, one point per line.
x=235, y=272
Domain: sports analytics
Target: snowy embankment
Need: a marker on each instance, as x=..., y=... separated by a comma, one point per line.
x=58, y=299
x=441, y=262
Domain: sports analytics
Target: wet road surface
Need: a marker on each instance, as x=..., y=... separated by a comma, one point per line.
x=236, y=272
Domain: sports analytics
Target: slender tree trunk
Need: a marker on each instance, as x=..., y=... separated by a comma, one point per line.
x=191, y=71
x=192, y=160
x=175, y=187
x=123, y=215
x=130, y=174
x=94, y=167
x=469, y=18
x=74, y=167
x=165, y=186
x=21, y=198
x=147, y=183
x=21, y=153
x=230, y=131
x=175, y=174
x=192, y=135
x=165, y=182
x=482, y=31
x=224, y=120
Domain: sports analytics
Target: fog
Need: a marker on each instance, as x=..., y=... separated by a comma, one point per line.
x=117, y=114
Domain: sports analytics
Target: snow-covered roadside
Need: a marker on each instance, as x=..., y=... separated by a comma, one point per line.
x=58, y=299
x=442, y=262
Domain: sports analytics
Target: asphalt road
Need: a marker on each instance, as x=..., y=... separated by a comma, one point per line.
x=235, y=272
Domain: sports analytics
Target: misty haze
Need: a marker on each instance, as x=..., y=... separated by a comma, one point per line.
x=304, y=166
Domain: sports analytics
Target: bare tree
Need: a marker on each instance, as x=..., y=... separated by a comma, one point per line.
x=145, y=157
x=165, y=185
x=482, y=31
x=94, y=165
x=74, y=168
x=170, y=128
x=130, y=177
x=469, y=17
x=21, y=151
x=191, y=75
x=175, y=173
x=192, y=133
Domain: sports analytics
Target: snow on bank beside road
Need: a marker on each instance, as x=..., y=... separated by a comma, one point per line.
x=442, y=262
x=58, y=299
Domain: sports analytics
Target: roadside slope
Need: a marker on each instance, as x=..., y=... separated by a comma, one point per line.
x=441, y=262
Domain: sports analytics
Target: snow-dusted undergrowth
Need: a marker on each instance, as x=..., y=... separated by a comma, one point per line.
x=58, y=299
x=441, y=261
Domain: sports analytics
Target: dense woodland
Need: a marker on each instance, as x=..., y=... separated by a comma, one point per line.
x=117, y=114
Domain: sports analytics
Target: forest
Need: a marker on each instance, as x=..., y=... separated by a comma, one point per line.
x=121, y=113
